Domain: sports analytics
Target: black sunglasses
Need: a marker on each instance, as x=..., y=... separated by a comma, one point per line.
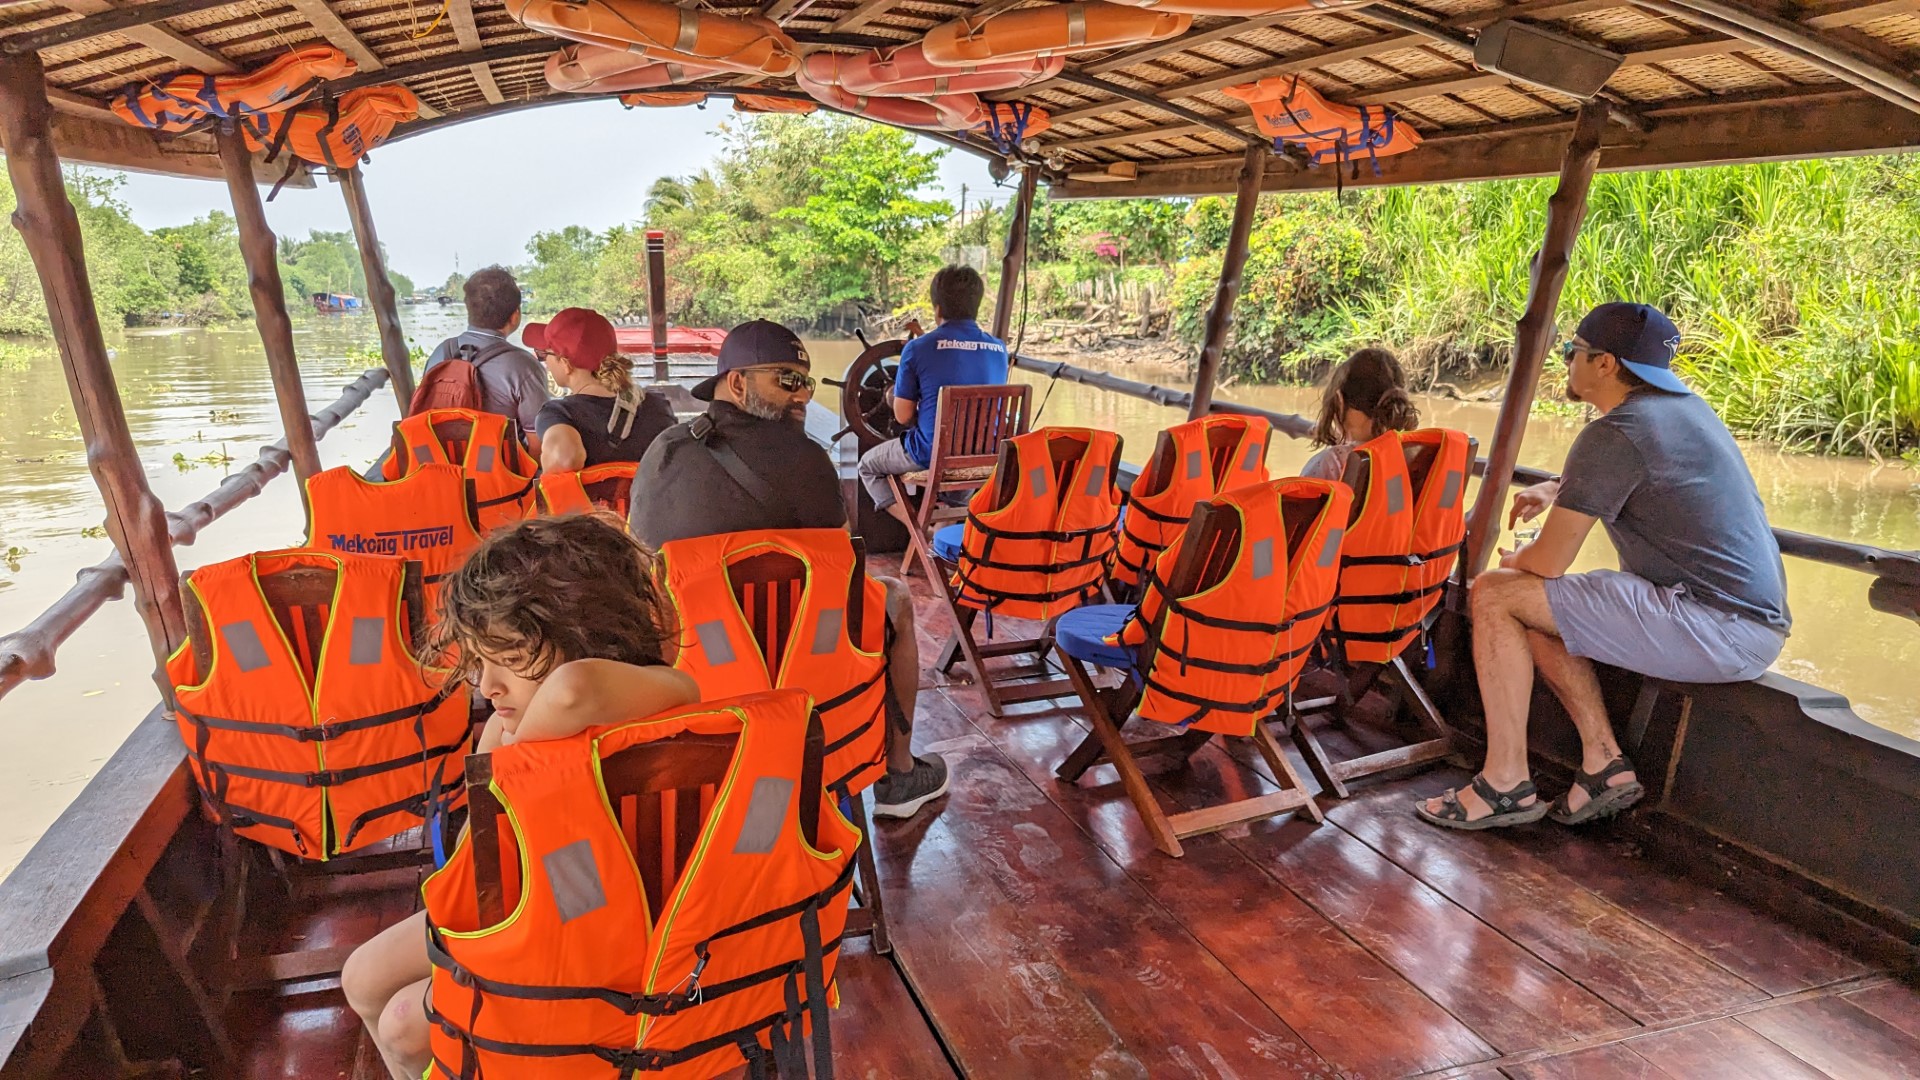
x=1569, y=348
x=786, y=378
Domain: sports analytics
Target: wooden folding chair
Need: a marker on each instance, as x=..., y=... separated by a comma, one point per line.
x=1205, y=558
x=1357, y=678
x=969, y=424
x=768, y=587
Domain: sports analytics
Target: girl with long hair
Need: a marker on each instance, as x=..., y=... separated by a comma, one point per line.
x=1365, y=396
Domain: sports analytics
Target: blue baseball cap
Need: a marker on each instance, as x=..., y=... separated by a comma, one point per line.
x=1641, y=337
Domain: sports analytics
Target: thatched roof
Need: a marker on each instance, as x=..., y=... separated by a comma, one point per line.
x=1702, y=80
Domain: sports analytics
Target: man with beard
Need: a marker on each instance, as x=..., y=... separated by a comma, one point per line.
x=1700, y=596
x=747, y=464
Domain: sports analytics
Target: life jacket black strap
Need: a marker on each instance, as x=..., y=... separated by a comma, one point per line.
x=995, y=597
x=852, y=693
x=510, y=497
x=631, y=1060
x=320, y=732
x=1393, y=637
x=1032, y=568
x=1180, y=607
x=1259, y=706
x=1059, y=536
x=1155, y=515
x=1205, y=664
x=332, y=777
x=1415, y=559
x=1398, y=598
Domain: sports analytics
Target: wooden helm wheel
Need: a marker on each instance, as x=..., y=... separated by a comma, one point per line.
x=865, y=399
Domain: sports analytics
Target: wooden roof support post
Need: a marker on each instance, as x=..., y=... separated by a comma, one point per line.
x=257, y=248
x=136, y=520
x=1013, y=264
x=1220, y=315
x=386, y=307
x=1534, y=335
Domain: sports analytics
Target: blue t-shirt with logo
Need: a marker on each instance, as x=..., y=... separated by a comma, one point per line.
x=956, y=353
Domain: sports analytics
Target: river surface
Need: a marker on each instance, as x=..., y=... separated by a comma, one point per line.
x=194, y=395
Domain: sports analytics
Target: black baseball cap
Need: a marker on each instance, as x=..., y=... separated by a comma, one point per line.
x=754, y=344
x=1641, y=337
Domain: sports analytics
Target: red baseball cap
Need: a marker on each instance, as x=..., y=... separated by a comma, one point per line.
x=583, y=337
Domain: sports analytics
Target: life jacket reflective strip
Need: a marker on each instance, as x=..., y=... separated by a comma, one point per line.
x=817, y=654
x=318, y=766
x=1038, y=542
x=427, y=517
x=1195, y=472
x=608, y=486
x=583, y=979
x=1225, y=656
x=485, y=447
x=1401, y=545
x=187, y=101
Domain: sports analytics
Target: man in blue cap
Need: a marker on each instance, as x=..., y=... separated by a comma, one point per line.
x=1700, y=596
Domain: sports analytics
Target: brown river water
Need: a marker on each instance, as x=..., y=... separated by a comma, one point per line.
x=194, y=394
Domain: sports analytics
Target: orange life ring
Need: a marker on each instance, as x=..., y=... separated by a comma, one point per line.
x=587, y=69
x=950, y=112
x=1053, y=30
x=1293, y=113
x=1244, y=9
x=186, y=101
x=336, y=133
x=906, y=72
x=664, y=100
x=748, y=44
x=761, y=103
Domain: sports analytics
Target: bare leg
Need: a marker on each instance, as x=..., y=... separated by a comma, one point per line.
x=404, y=1033
x=1573, y=682
x=379, y=973
x=899, y=512
x=1504, y=605
x=903, y=669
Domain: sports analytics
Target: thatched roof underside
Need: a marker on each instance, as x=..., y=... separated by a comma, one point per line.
x=1696, y=86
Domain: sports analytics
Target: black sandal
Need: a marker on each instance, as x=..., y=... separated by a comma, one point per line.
x=1504, y=804
x=1603, y=799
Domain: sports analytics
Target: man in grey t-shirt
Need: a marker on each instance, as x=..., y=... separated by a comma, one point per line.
x=1700, y=596
x=512, y=382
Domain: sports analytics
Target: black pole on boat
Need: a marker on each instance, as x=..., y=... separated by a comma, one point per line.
x=657, y=300
x=1533, y=336
x=259, y=251
x=386, y=307
x=1015, y=260
x=1227, y=291
x=136, y=520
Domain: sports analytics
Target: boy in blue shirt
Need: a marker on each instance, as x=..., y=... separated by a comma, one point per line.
x=956, y=353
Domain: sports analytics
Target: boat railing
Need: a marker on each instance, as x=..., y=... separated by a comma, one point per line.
x=1896, y=588
x=28, y=653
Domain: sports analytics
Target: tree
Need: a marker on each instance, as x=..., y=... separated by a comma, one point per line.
x=863, y=222
x=455, y=285
x=562, y=273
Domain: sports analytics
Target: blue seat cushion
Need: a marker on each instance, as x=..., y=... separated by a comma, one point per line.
x=948, y=541
x=1082, y=632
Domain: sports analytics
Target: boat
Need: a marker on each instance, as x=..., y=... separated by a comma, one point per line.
x=336, y=302
x=1757, y=916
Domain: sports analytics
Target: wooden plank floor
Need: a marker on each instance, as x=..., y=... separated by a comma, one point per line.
x=1038, y=933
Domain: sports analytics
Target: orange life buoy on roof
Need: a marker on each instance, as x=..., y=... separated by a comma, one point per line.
x=906, y=72
x=950, y=112
x=1294, y=114
x=1053, y=30
x=665, y=99
x=336, y=133
x=186, y=101
x=1244, y=9
x=747, y=44
x=763, y=103
x=588, y=69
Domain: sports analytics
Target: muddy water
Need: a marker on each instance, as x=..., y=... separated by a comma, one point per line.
x=198, y=393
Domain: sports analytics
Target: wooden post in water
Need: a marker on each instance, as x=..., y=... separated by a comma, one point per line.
x=657, y=300
x=136, y=520
x=386, y=307
x=1220, y=315
x=269, y=305
x=1533, y=336
x=1015, y=259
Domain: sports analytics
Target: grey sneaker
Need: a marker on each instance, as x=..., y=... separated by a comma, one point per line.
x=900, y=795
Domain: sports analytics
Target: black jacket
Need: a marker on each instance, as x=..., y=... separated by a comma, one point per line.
x=682, y=490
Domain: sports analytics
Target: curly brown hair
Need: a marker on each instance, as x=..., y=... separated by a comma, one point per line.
x=1372, y=382
x=549, y=590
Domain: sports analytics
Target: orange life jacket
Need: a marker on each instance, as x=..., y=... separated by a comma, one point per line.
x=1292, y=113
x=189, y=100
x=816, y=651
x=1402, y=541
x=608, y=487
x=584, y=979
x=336, y=132
x=428, y=517
x=1202, y=458
x=314, y=729
x=763, y=103
x=1226, y=655
x=1039, y=535
x=485, y=446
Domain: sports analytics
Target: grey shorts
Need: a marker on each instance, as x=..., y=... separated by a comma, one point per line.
x=890, y=458
x=1627, y=621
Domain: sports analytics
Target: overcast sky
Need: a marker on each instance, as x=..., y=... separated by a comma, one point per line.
x=479, y=190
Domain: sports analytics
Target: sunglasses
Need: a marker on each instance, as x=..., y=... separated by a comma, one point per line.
x=1569, y=349
x=786, y=378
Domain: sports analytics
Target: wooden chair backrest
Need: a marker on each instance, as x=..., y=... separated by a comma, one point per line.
x=1358, y=473
x=768, y=587
x=299, y=599
x=1159, y=469
x=971, y=422
x=660, y=792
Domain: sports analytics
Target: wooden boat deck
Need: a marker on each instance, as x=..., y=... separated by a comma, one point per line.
x=1039, y=934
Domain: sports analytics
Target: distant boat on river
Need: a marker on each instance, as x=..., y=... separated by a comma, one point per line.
x=327, y=301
